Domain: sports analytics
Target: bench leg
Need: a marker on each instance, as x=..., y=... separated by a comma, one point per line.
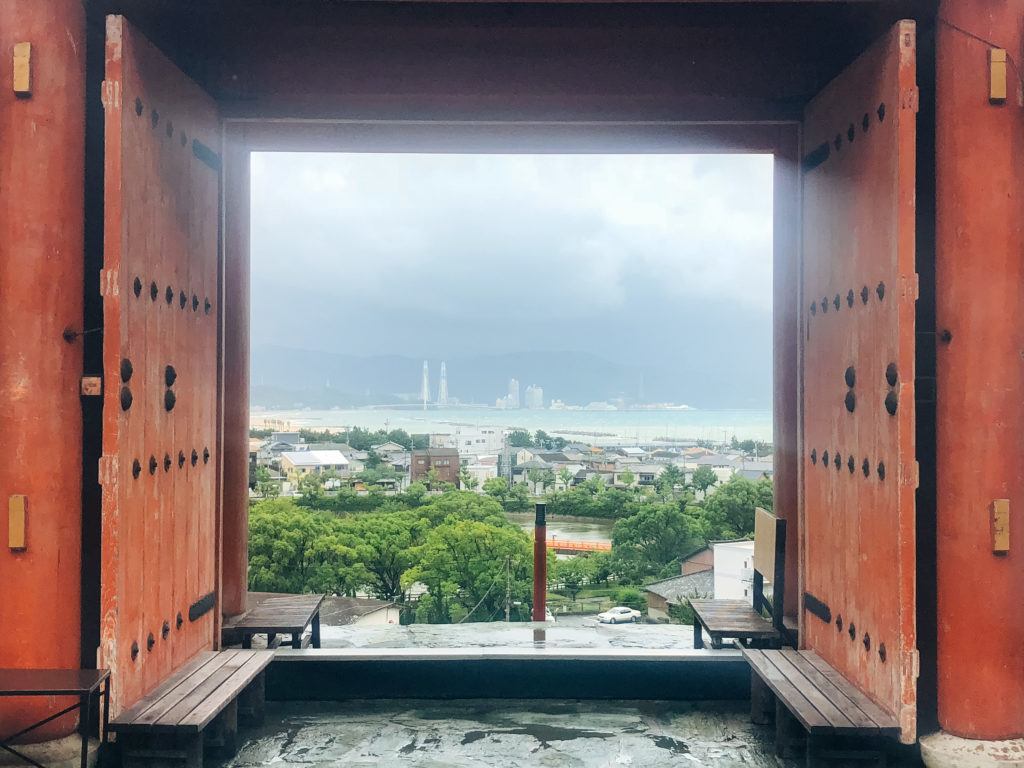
x=297, y=641
x=247, y=640
x=161, y=750
x=221, y=735
x=762, y=701
x=828, y=751
x=252, y=703
x=790, y=738
x=698, y=633
x=315, y=637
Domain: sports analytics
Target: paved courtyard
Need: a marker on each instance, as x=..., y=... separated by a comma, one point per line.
x=507, y=734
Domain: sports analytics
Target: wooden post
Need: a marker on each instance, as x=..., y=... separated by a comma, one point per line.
x=540, y=563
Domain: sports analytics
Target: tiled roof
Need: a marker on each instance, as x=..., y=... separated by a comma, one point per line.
x=678, y=588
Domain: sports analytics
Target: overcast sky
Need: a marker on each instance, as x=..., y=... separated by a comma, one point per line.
x=625, y=256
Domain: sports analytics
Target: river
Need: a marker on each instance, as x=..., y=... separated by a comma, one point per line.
x=567, y=527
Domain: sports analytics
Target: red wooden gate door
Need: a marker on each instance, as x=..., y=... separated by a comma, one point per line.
x=859, y=466
x=159, y=286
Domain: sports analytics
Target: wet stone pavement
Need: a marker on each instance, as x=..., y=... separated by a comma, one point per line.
x=507, y=734
x=567, y=632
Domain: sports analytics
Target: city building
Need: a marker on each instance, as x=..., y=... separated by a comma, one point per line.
x=513, y=393
x=295, y=464
x=534, y=397
x=445, y=461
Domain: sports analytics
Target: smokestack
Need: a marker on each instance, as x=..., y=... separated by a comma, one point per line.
x=540, y=563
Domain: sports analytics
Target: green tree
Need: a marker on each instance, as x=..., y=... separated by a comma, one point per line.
x=547, y=479
x=729, y=512
x=266, y=486
x=534, y=476
x=383, y=543
x=602, y=567
x=468, y=481
x=631, y=598
x=542, y=439
x=420, y=442
x=656, y=535
x=518, y=498
x=433, y=479
x=566, y=476
x=311, y=485
x=627, y=478
x=572, y=574
x=293, y=549
x=496, y=488
x=669, y=478
x=703, y=478
x=520, y=438
x=470, y=567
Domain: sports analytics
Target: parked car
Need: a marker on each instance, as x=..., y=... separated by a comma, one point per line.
x=620, y=614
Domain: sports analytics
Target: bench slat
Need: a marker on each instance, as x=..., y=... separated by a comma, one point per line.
x=154, y=704
x=795, y=701
x=886, y=723
x=199, y=717
x=824, y=704
x=172, y=718
x=855, y=714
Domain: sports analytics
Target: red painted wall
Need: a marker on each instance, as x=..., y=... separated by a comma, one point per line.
x=41, y=241
x=980, y=369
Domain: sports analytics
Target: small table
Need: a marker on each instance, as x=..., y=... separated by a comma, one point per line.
x=83, y=683
x=279, y=615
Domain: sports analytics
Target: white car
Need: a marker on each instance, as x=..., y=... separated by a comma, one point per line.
x=619, y=615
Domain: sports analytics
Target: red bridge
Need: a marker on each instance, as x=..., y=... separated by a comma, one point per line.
x=568, y=545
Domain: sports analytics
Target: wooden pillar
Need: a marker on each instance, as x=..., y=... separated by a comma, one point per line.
x=235, y=377
x=42, y=183
x=786, y=299
x=979, y=276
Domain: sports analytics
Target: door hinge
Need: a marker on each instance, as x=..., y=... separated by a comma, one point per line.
x=91, y=386
x=110, y=94
x=911, y=99
x=108, y=470
x=108, y=282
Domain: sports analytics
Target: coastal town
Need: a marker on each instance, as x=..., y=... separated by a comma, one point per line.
x=645, y=525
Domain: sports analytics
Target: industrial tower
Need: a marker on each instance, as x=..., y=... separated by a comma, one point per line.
x=442, y=388
x=425, y=389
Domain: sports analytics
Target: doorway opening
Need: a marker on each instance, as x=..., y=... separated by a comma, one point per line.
x=441, y=340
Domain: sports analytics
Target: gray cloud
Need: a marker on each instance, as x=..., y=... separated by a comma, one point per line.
x=627, y=257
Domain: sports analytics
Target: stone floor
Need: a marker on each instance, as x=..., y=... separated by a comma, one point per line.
x=507, y=734
x=567, y=632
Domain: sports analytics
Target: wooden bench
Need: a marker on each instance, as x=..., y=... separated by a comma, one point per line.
x=816, y=709
x=288, y=615
x=199, y=705
x=738, y=619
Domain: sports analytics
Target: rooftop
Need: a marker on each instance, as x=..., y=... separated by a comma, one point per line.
x=315, y=458
x=678, y=588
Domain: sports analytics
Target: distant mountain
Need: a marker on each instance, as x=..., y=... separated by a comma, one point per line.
x=283, y=377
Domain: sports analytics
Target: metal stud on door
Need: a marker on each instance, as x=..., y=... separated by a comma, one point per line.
x=858, y=561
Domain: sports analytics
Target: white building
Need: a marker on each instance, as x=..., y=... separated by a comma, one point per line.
x=471, y=441
x=534, y=397
x=513, y=393
x=734, y=570
x=295, y=464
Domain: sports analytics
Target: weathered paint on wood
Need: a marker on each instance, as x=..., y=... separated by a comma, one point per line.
x=979, y=288
x=42, y=150
x=160, y=362
x=860, y=286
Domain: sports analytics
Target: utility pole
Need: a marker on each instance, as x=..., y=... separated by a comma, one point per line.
x=508, y=588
